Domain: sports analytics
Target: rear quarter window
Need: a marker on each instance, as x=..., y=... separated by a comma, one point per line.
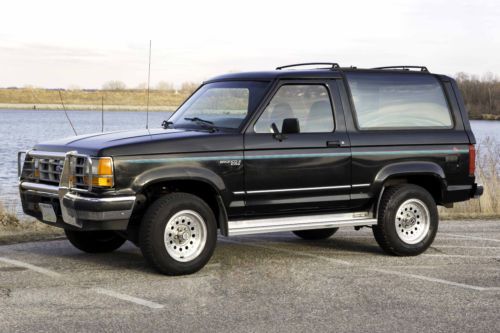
x=398, y=101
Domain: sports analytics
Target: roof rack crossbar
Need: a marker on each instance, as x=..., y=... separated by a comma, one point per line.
x=333, y=65
x=404, y=67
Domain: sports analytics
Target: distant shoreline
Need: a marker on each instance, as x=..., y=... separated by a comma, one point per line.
x=132, y=108
x=84, y=107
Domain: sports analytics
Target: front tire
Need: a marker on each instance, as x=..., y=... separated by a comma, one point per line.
x=315, y=234
x=94, y=241
x=178, y=234
x=407, y=220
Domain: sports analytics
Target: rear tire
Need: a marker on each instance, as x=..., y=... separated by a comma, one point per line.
x=178, y=234
x=94, y=241
x=316, y=234
x=407, y=220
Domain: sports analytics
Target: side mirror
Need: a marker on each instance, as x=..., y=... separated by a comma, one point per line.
x=290, y=126
x=276, y=133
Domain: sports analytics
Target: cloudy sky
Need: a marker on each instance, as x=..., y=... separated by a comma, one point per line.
x=86, y=43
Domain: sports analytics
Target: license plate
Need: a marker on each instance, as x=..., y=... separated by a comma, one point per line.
x=48, y=213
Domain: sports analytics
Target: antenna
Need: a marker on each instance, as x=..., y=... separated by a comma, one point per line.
x=66, y=113
x=102, y=114
x=149, y=77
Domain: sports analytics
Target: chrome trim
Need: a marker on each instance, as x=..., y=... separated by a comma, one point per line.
x=71, y=216
x=47, y=154
x=68, y=189
x=361, y=185
x=300, y=189
x=303, y=189
x=43, y=194
x=459, y=187
x=305, y=222
x=39, y=187
x=19, y=167
x=73, y=196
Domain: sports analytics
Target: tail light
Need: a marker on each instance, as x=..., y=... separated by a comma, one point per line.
x=472, y=160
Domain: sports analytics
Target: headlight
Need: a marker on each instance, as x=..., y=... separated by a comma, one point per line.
x=102, y=172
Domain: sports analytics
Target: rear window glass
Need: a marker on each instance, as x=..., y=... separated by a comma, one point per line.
x=392, y=100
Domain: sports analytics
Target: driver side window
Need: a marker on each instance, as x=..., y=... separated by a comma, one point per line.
x=309, y=104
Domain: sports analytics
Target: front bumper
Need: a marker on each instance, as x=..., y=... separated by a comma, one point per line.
x=68, y=205
x=77, y=210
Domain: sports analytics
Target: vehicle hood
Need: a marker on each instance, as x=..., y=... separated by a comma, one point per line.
x=144, y=142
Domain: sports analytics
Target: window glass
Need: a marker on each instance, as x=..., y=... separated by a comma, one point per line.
x=219, y=104
x=398, y=101
x=310, y=104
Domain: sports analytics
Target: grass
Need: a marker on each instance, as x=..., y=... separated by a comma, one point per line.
x=15, y=230
x=28, y=98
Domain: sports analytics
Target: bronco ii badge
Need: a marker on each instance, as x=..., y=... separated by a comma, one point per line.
x=230, y=162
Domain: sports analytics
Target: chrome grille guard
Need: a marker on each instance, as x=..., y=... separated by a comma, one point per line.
x=67, y=178
x=68, y=173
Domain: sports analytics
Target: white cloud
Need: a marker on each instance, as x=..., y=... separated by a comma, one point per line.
x=58, y=43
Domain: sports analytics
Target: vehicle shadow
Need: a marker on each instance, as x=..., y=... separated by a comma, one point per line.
x=127, y=257
x=338, y=244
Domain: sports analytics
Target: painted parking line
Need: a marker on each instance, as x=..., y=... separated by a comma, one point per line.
x=383, y=271
x=103, y=291
x=466, y=247
x=34, y=268
x=460, y=256
x=472, y=237
x=431, y=279
x=128, y=298
x=267, y=247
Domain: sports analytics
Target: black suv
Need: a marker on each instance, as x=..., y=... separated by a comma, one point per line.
x=306, y=151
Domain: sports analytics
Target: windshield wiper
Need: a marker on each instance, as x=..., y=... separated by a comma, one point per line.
x=199, y=120
x=203, y=123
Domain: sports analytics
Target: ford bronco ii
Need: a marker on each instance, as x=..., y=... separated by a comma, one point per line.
x=301, y=150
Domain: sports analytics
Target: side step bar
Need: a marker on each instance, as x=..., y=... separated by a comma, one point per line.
x=305, y=222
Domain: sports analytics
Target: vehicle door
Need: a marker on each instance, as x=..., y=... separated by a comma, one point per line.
x=306, y=167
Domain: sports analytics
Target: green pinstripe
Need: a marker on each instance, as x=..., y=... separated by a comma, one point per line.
x=264, y=157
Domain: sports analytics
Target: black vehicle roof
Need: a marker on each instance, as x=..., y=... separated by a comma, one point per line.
x=305, y=74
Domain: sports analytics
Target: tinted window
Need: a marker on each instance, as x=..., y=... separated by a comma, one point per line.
x=310, y=104
x=398, y=101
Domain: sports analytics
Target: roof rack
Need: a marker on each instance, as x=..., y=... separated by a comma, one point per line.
x=333, y=65
x=405, y=68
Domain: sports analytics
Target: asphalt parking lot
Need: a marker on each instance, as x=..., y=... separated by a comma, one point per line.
x=261, y=283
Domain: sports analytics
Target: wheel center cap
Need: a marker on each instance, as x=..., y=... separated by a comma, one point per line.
x=409, y=222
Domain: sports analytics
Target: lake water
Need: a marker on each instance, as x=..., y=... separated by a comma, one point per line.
x=21, y=129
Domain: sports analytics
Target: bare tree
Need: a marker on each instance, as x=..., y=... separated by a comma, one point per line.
x=164, y=85
x=114, y=85
x=74, y=87
x=189, y=87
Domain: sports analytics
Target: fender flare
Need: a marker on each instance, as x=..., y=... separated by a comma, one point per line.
x=402, y=169
x=166, y=173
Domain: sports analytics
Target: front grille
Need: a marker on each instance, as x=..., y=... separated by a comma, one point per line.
x=47, y=168
x=50, y=170
x=81, y=172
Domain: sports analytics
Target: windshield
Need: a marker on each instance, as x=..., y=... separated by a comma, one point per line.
x=219, y=105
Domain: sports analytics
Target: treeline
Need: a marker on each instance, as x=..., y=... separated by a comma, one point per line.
x=481, y=95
